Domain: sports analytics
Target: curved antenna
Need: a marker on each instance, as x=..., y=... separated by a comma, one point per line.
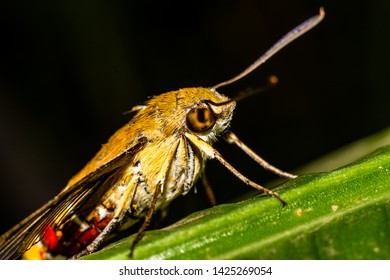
x=272, y=80
x=285, y=40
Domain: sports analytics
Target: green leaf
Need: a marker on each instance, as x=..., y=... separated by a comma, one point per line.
x=342, y=214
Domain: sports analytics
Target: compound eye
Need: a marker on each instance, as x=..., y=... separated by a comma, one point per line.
x=200, y=119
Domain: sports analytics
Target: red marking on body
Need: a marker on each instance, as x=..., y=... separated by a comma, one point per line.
x=88, y=236
x=71, y=238
x=101, y=224
x=50, y=238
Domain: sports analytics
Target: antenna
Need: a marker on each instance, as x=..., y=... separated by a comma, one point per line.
x=285, y=40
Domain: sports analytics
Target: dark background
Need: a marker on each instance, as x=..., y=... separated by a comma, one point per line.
x=69, y=69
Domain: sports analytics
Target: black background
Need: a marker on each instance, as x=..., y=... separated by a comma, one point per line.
x=69, y=69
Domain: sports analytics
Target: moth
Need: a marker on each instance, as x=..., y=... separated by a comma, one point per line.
x=144, y=166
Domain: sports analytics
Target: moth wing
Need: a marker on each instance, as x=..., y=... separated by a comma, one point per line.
x=32, y=229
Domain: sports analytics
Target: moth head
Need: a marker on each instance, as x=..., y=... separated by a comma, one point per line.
x=200, y=119
x=210, y=117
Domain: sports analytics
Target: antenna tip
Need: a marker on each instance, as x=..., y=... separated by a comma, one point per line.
x=273, y=80
x=322, y=12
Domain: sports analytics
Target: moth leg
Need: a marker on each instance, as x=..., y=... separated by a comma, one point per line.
x=159, y=189
x=231, y=138
x=147, y=220
x=95, y=245
x=209, y=190
x=212, y=153
x=118, y=215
